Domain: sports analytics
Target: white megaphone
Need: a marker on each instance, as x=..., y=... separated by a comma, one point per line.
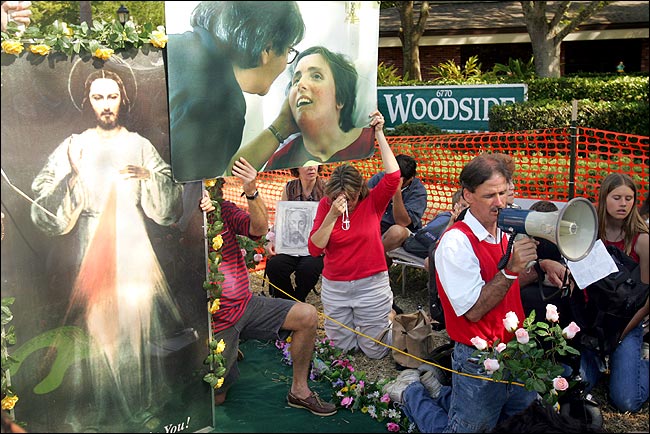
x=573, y=229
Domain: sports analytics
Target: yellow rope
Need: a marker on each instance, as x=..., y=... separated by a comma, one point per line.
x=391, y=347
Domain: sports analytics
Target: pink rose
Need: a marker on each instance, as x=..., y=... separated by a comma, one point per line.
x=243, y=252
x=560, y=384
x=479, y=343
x=511, y=321
x=347, y=401
x=522, y=336
x=570, y=331
x=257, y=257
x=392, y=427
x=385, y=398
x=551, y=313
x=501, y=347
x=270, y=236
x=491, y=365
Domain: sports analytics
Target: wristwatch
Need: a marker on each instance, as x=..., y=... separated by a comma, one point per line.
x=252, y=196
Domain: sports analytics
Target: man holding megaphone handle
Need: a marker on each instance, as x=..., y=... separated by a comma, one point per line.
x=476, y=295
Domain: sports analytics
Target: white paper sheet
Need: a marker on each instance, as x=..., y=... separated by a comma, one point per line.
x=596, y=265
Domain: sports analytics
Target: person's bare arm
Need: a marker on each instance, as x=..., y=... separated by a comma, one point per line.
x=387, y=156
x=641, y=249
x=637, y=318
x=400, y=214
x=259, y=225
x=321, y=236
x=258, y=151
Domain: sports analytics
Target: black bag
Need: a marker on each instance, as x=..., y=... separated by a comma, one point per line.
x=611, y=303
x=427, y=236
x=435, y=308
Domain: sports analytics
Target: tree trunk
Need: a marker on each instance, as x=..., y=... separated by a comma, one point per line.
x=85, y=13
x=547, y=59
x=410, y=34
x=546, y=35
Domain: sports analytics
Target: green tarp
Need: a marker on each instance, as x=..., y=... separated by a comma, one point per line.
x=257, y=402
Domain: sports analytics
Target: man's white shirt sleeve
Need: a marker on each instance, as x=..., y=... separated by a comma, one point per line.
x=458, y=266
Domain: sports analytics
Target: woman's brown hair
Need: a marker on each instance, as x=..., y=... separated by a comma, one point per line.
x=348, y=180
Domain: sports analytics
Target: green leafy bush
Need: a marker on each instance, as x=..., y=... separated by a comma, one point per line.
x=414, y=129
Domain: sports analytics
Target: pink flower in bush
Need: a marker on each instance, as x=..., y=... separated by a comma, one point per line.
x=392, y=427
x=257, y=257
x=501, y=347
x=551, y=313
x=570, y=331
x=560, y=384
x=491, y=365
x=479, y=343
x=510, y=322
x=522, y=336
x=347, y=401
x=243, y=252
x=385, y=398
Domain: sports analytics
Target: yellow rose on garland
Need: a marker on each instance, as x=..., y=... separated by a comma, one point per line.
x=159, y=37
x=214, y=307
x=12, y=47
x=41, y=49
x=9, y=402
x=103, y=53
x=217, y=242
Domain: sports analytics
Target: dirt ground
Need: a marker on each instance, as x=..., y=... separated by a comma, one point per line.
x=416, y=295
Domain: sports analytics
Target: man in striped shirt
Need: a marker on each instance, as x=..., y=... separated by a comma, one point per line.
x=243, y=315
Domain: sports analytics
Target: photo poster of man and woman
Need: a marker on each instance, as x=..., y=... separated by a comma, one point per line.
x=104, y=261
x=330, y=89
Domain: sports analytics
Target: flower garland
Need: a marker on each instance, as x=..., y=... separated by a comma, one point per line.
x=9, y=397
x=526, y=358
x=351, y=390
x=101, y=40
x=212, y=285
x=252, y=251
x=8, y=338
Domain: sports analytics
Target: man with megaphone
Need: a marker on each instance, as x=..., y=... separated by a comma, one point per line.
x=476, y=294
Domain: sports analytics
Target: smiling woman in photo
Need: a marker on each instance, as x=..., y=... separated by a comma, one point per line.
x=321, y=104
x=322, y=98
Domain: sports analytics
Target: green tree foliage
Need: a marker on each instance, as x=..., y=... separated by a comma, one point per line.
x=516, y=69
x=451, y=72
x=46, y=12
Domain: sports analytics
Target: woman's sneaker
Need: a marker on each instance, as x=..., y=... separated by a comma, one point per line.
x=396, y=388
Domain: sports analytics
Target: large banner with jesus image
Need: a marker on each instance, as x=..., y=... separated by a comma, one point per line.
x=104, y=261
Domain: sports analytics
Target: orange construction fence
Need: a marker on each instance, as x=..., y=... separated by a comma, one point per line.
x=544, y=160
